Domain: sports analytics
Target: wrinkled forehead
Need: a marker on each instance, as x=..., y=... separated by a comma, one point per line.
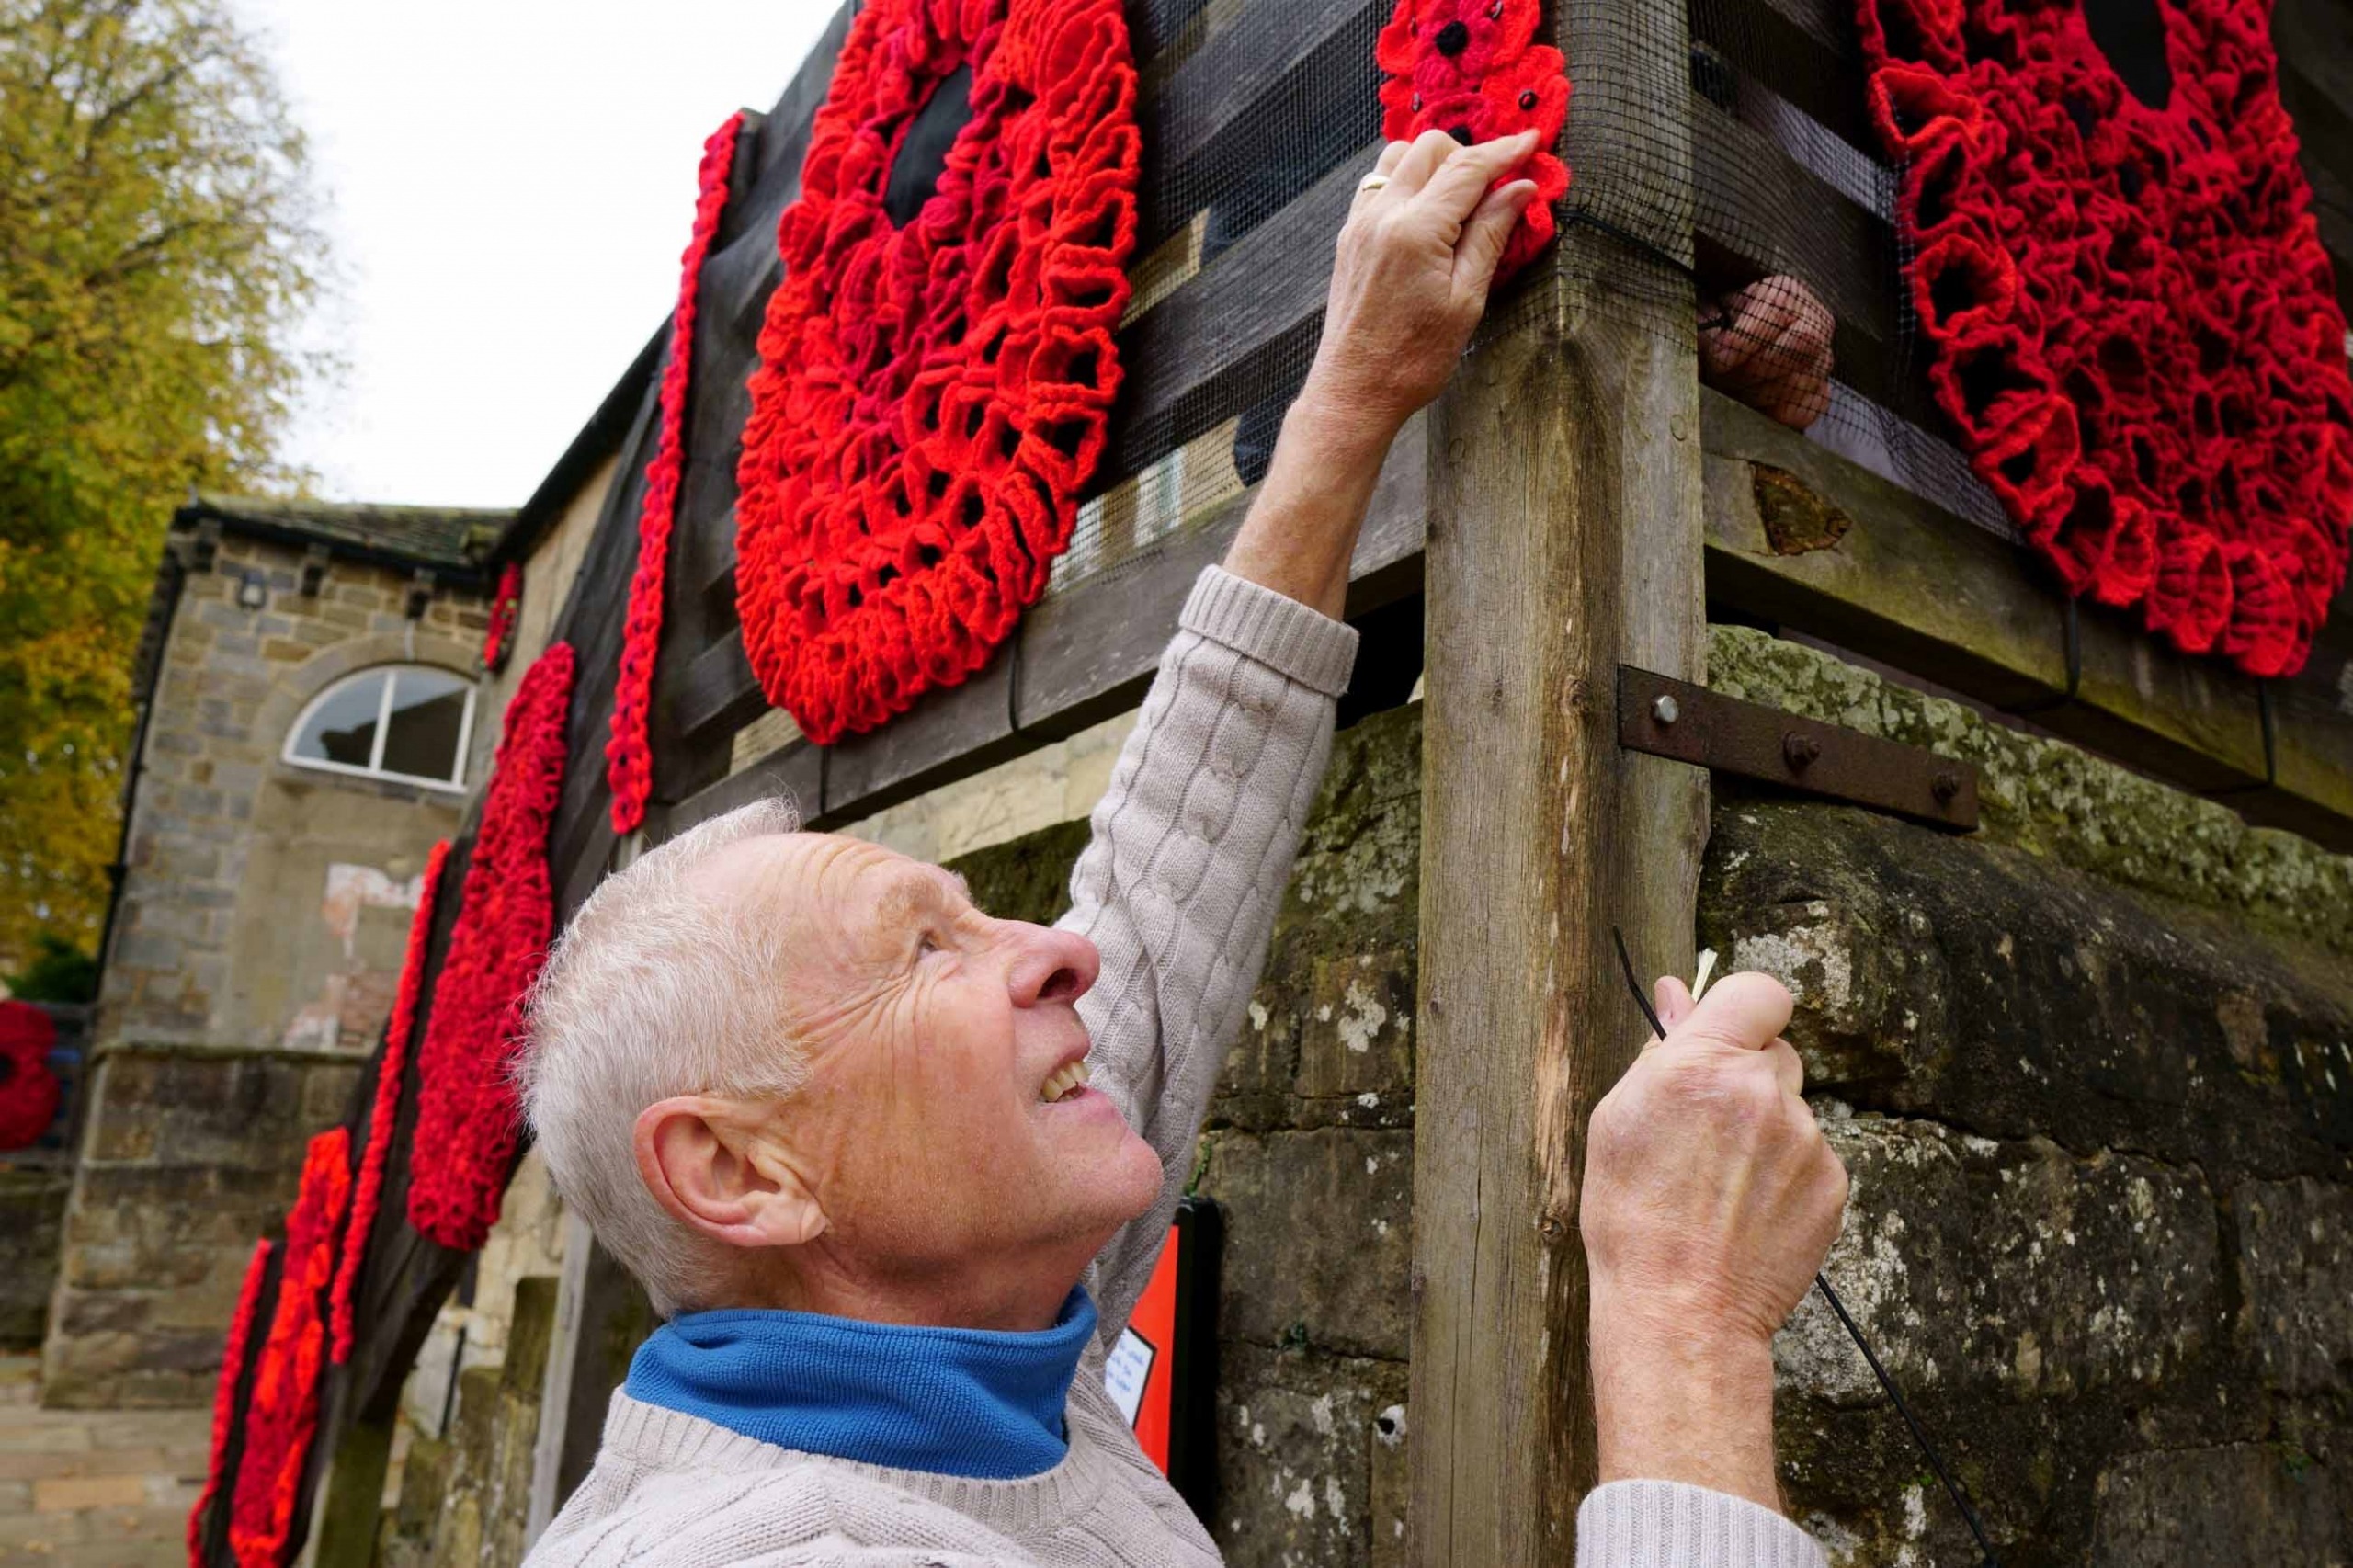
x=829, y=882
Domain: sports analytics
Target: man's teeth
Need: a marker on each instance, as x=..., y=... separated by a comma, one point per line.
x=1072, y=1078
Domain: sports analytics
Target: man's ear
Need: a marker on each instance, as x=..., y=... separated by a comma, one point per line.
x=710, y=1165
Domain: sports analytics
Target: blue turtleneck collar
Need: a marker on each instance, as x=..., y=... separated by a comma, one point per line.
x=960, y=1401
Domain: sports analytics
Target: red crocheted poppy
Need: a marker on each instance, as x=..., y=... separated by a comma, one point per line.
x=505, y=604
x=2135, y=329
x=628, y=757
x=384, y=1110
x=1473, y=69
x=283, y=1413
x=466, y=1121
x=932, y=396
x=234, y=1352
x=28, y=1090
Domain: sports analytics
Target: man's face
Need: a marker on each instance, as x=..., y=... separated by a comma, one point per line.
x=931, y=1032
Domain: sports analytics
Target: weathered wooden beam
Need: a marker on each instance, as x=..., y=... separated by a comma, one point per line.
x=1801, y=538
x=1083, y=654
x=1563, y=541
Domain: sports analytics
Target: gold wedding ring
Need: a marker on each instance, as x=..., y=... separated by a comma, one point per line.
x=1373, y=181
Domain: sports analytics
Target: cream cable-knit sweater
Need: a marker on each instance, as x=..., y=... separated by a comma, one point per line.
x=1191, y=850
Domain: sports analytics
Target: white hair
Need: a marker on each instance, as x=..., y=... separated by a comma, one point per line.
x=654, y=990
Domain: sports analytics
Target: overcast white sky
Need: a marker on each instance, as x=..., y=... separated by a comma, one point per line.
x=511, y=182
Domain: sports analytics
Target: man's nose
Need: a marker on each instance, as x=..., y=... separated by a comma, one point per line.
x=1053, y=966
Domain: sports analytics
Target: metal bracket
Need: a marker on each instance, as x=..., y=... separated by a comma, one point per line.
x=1668, y=718
x=315, y=570
x=420, y=593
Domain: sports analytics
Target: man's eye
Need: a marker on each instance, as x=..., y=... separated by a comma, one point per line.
x=927, y=945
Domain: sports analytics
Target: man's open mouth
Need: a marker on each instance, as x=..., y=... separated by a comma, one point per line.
x=1067, y=1079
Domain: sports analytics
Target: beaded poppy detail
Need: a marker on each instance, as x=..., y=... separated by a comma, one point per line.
x=938, y=367
x=2135, y=329
x=1473, y=69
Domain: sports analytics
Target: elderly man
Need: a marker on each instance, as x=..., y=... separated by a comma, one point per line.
x=896, y=1171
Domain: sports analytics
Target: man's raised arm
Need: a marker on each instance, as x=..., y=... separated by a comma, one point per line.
x=1193, y=845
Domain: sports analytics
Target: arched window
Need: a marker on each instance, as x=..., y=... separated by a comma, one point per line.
x=406, y=722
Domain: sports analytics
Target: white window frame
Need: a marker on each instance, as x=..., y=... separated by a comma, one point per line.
x=389, y=674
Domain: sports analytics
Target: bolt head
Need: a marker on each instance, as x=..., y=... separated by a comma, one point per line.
x=1666, y=710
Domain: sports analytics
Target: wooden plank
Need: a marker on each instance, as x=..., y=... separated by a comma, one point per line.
x=1797, y=51
x=1085, y=652
x=1189, y=362
x=1565, y=491
x=1909, y=583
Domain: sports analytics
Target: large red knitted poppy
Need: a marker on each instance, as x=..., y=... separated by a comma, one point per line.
x=629, y=757
x=1473, y=68
x=932, y=397
x=28, y=1090
x=283, y=1413
x=466, y=1121
x=233, y=1353
x=2135, y=327
x=385, y=1109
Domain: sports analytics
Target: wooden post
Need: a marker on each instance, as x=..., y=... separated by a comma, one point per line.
x=1564, y=539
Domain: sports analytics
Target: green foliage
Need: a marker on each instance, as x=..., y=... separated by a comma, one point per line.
x=156, y=252
x=59, y=973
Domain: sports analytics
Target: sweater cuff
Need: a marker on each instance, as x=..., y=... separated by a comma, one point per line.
x=1665, y=1524
x=1278, y=632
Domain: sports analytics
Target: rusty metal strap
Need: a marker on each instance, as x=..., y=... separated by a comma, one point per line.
x=1690, y=723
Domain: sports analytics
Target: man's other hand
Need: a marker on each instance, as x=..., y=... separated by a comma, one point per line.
x=1768, y=344
x=1711, y=1197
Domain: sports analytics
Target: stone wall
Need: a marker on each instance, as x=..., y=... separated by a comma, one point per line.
x=191, y=1152
x=265, y=902
x=2092, y=1070
x=32, y=1216
x=264, y=916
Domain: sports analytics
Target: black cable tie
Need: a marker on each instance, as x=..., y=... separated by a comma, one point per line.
x=2268, y=718
x=1854, y=1331
x=2074, y=623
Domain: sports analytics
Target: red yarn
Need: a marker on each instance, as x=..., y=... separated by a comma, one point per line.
x=225, y=1394
x=628, y=757
x=1474, y=68
x=385, y=1109
x=28, y=1090
x=283, y=1413
x=2136, y=330
x=932, y=399
x=466, y=1121
x=505, y=604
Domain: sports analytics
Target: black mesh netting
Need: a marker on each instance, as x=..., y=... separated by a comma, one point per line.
x=1740, y=186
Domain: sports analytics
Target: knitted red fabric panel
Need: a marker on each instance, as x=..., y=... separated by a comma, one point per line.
x=28, y=1090
x=225, y=1394
x=1474, y=68
x=931, y=400
x=505, y=604
x=2135, y=328
x=283, y=1413
x=628, y=757
x=385, y=1109
x=466, y=1121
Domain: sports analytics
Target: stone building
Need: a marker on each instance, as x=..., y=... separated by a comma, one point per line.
x=311, y=715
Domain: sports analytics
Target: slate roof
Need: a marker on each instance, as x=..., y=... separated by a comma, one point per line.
x=456, y=538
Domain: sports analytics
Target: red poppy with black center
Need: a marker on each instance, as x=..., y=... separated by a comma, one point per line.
x=938, y=367
x=1473, y=69
x=2135, y=328
x=29, y=1092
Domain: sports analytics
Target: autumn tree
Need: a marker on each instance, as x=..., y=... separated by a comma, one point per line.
x=157, y=250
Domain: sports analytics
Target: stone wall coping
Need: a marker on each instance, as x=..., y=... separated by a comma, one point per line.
x=212, y=1050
